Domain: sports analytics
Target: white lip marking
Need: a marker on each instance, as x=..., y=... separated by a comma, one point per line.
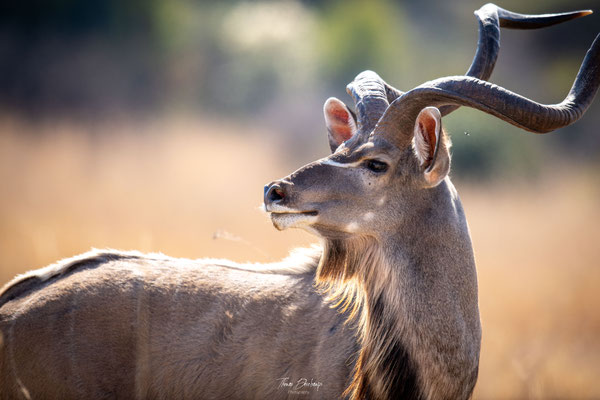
x=295, y=220
x=277, y=208
x=368, y=216
x=341, y=165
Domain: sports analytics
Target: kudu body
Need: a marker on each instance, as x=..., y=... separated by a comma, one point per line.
x=396, y=262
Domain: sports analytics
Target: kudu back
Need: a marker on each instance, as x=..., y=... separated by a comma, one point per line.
x=386, y=308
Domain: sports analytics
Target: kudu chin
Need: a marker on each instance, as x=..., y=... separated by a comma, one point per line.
x=386, y=308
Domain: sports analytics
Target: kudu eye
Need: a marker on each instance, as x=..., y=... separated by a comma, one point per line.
x=376, y=166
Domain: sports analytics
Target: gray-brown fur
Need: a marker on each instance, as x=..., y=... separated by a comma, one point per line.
x=127, y=325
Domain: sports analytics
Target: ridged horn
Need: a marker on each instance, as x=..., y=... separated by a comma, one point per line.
x=490, y=18
x=370, y=99
x=371, y=93
x=495, y=100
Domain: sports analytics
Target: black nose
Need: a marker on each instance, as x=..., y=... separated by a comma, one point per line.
x=273, y=194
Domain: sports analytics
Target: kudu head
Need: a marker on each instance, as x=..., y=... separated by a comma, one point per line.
x=391, y=159
x=372, y=175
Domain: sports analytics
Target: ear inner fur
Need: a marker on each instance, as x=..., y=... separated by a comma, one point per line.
x=340, y=122
x=427, y=134
x=435, y=150
x=431, y=138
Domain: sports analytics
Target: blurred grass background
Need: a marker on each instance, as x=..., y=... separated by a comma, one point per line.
x=153, y=125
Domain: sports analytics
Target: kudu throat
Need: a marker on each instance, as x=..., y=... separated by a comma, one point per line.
x=361, y=280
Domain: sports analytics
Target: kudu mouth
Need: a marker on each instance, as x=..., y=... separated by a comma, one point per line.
x=284, y=215
x=293, y=219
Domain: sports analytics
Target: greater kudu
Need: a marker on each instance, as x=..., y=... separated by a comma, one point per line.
x=396, y=259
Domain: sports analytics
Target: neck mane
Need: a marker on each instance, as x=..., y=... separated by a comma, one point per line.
x=358, y=277
x=418, y=323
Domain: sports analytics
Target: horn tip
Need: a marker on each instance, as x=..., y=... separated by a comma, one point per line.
x=583, y=13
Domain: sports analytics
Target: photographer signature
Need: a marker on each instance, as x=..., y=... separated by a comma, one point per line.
x=299, y=385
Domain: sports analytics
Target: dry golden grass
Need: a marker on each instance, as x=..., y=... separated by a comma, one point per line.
x=537, y=257
x=170, y=189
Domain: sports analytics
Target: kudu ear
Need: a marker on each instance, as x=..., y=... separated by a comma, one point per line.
x=340, y=122
x=431, y=146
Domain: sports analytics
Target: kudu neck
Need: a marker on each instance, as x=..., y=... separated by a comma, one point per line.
x=418, y=293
